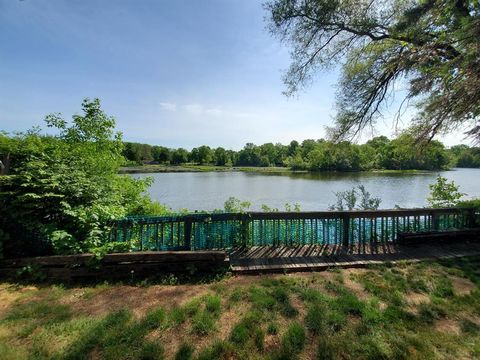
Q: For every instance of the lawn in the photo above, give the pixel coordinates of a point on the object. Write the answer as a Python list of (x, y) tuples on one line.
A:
[(426, 310)]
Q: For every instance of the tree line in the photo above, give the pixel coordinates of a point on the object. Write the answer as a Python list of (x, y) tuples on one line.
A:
[(401, 153)]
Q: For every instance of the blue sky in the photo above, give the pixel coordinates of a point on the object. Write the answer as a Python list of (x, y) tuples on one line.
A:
[(174, 73)]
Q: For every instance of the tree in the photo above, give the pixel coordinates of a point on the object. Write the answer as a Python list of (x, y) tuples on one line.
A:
[(434, 45), (179, 156), (162, 154), (66, 187), (221, 157), (205, 155)]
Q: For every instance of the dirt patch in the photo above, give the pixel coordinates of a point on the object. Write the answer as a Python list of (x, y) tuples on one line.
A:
[(171, 340), (9, 294), (356, 288), (462, 286), (310, 349), (247, 280), (415, 299), (447, 326), (138, 299)]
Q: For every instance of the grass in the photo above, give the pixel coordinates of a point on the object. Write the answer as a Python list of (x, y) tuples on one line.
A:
[(427, 310)]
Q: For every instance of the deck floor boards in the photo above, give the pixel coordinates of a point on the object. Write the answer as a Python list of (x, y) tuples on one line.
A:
[(313, 257)]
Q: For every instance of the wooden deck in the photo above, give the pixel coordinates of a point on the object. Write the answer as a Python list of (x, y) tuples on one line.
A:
[(315, 258)]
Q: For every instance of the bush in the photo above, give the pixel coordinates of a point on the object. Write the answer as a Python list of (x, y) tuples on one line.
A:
[(444, 193), (66, 187)]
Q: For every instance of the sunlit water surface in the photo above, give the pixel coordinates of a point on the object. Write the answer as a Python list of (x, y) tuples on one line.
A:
[(209, 190)]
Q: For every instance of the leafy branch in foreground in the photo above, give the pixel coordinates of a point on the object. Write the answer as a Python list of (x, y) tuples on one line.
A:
[(430, 47)]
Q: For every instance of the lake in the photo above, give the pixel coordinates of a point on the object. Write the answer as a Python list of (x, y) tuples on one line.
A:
[(313, 191)]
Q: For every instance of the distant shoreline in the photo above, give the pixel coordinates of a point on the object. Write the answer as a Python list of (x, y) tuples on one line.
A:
[(143, 169)]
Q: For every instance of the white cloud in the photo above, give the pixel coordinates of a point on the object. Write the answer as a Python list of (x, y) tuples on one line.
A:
[(168, 106), (214, 111), (194, 108)]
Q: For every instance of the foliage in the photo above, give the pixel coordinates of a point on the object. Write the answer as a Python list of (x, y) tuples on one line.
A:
[(400, 153), (429, 47), (444, 193), (66, 186), (464, 156), (235, 205), (349, 200)]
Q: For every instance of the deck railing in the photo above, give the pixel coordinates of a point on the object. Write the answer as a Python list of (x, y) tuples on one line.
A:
[(202, 231)]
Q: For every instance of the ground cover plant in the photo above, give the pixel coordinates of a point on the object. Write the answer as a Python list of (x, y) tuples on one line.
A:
[(407, 311)]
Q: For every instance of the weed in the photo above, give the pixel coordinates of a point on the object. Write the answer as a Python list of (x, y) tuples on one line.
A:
[(261, 299), (283, 300), (259, 338), (429, 312), (371, 313), (272, 328), (154, 318), (443, 288), (236, 295), (192, 307), (326, 349), (469, 327), (151, 351), (184, 352), (315, 319), (239, 334), (177, 316), (311, 295), (212, 304), (203, 323), (293, 341), (218, 351), (335, 320)]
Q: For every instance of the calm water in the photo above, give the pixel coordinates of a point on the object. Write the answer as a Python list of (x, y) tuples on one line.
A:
[(208, 191)]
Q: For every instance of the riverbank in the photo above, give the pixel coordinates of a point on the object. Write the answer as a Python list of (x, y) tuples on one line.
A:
[(154, 168), (142, 169)]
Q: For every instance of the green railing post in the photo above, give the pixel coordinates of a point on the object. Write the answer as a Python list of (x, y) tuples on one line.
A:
[(188, 233), (346, 230), (435, 221), (245, 230), (472, 221)]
